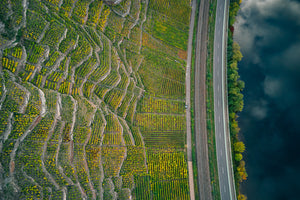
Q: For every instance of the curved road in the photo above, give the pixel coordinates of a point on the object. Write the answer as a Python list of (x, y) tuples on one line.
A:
[(223, 146)]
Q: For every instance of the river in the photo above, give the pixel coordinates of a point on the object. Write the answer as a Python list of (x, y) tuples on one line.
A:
[(268, 32)]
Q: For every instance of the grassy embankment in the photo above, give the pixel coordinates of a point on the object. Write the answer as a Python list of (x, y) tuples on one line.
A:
[(195, 169), (235, 100)]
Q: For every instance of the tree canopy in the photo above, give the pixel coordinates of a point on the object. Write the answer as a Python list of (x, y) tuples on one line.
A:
[(239, 147)]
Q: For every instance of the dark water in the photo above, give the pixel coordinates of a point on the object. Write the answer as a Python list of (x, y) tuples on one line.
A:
[(268, 32)]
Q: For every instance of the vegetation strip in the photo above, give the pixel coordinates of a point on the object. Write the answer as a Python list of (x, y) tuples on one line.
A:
[(210, 106), (235, 100)]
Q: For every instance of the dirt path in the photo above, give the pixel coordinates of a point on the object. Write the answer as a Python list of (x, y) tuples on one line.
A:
[(188, 102), (4, 92), (204, 181)]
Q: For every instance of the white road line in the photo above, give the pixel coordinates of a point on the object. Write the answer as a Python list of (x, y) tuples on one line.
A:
[(223, 97), (226, 182)]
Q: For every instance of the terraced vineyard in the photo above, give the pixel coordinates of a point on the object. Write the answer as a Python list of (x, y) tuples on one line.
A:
[(92, 99)]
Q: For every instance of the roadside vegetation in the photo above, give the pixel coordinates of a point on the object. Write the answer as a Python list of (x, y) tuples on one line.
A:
[(97, 92), (209, 103), (235, 99), (195, 169)]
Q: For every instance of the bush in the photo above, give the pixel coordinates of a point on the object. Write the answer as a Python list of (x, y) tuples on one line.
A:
[(238, 157), (239, 147)]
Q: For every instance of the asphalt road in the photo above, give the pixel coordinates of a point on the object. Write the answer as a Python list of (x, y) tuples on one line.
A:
[(223, 147)]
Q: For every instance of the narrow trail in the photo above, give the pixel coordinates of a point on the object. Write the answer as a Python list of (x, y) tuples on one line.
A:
[(73, 117), (43, 103), (8, 128), (188, 103), (4, 92)]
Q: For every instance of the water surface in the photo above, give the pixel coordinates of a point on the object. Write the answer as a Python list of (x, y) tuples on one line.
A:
[(268, 32)]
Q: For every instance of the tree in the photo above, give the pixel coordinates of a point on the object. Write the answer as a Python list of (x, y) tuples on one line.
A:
[(233, 66), (234, 8), (235, 102), (241, 170), (239, 147), (241, 84), (242, 197), (237, 55), (232, 115), (238, 157), (234, 76)]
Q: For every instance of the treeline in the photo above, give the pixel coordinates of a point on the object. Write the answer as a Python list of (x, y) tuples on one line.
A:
[(235, 99)]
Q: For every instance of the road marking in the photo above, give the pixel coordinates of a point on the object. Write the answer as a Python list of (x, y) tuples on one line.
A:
[(226, 182)]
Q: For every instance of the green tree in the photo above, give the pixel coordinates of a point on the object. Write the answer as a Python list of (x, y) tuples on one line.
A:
[(233, 66), (241, 84), (239, 147), (234, 8), (238, 157), (233, 77), (237, 55)]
